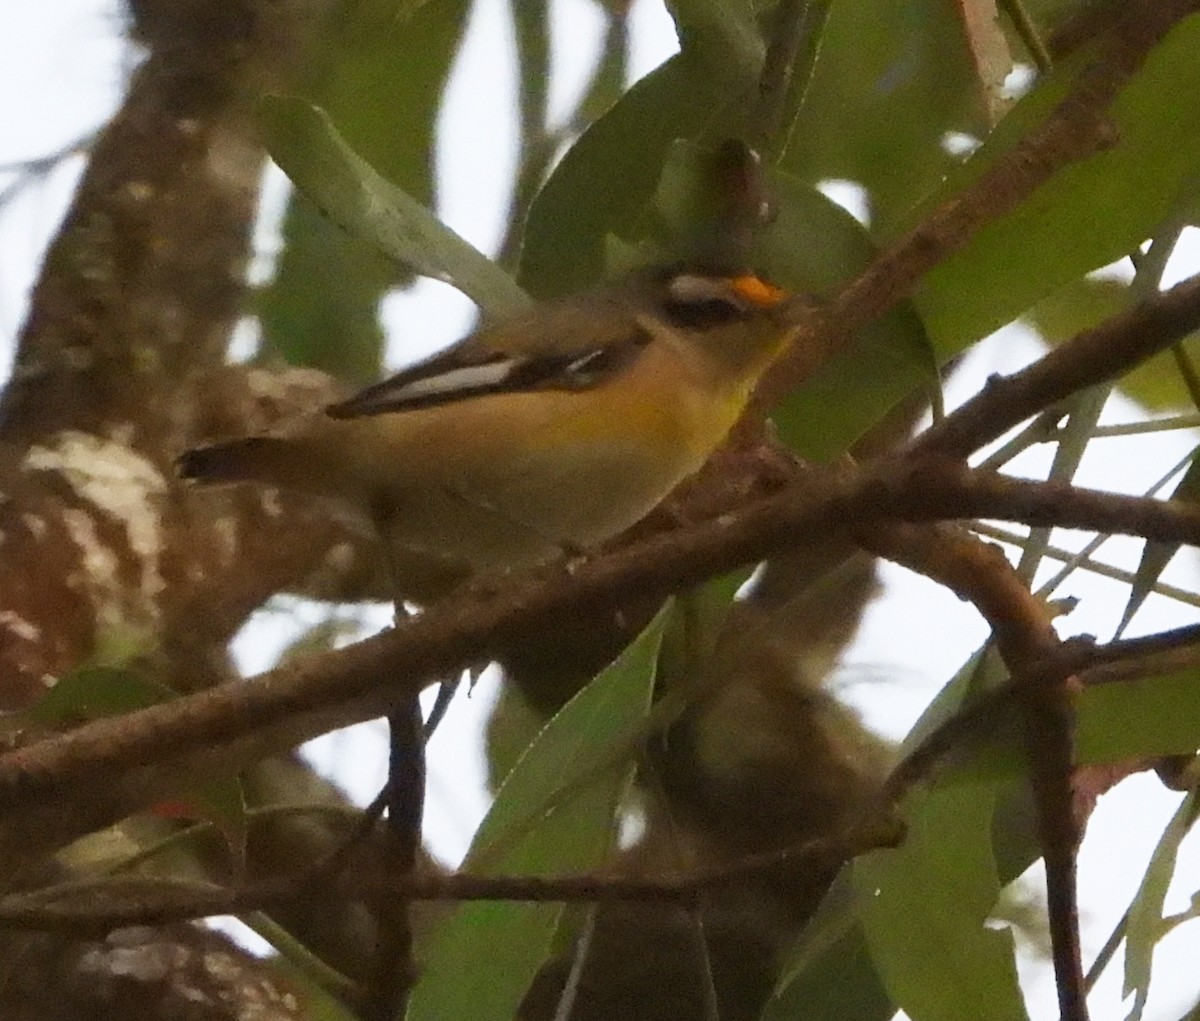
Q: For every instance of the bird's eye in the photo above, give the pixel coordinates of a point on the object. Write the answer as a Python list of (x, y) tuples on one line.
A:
[(703, 315), (700, 303)]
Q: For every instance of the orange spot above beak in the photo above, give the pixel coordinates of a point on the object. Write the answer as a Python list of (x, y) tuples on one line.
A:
[(756, 291)]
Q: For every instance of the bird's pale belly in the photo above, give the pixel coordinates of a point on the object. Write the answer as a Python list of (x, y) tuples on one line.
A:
[(518, 514)]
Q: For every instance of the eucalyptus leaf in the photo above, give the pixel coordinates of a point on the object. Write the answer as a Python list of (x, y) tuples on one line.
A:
[(1143, 719), (482, 959), (816, 246), (1156, 555), (924, 907), (605, 179), (723, 35), (837, 983), (891, 79), (385, 65), (1145, 926), (1087, 215), (304, 142)]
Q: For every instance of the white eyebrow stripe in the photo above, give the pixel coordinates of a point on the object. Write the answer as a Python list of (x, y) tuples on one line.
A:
[(689, 287)]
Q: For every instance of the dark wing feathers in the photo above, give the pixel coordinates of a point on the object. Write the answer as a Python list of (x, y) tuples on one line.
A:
[(452, 377), (584, 333)]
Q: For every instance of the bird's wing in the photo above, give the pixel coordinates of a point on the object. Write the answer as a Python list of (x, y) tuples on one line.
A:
[(462, 373)]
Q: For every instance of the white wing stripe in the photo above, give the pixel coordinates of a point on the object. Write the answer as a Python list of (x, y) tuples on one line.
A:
[(467, 379)]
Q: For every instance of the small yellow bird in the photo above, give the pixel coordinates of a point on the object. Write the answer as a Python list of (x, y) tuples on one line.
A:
[(556, 429)]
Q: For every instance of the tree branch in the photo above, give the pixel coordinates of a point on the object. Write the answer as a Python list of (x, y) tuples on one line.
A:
[(92, 906), (236, 723), (1102, 353), (1075, 129)]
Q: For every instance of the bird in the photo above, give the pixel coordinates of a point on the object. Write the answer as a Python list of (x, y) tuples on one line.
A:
[(553, 430)]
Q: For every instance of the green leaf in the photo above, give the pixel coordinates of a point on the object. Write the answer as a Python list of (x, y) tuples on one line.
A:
[(834, 984), (1089, 214), (823, 417), (91, 692), (381, 65), (833, 925), (1139, 719), (891, 78), (304, 142), (924, 907), (1080, 305), (1145, 926), (723, 35), (981, 672), (1156, 555), (694, 631), (605, 179), (835, 941), (482, 960), (322, 308), (889, 358), (1156, 383)]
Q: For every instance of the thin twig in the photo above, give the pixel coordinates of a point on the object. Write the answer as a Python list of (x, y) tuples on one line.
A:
[(1107, 952), (1041, 688), (92, 906), (1150, 425), (708, 982), (441, 705), (1051, 584), (30, 170), (1041, 429), (583, 946), (395, 969), (1088, 564)]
